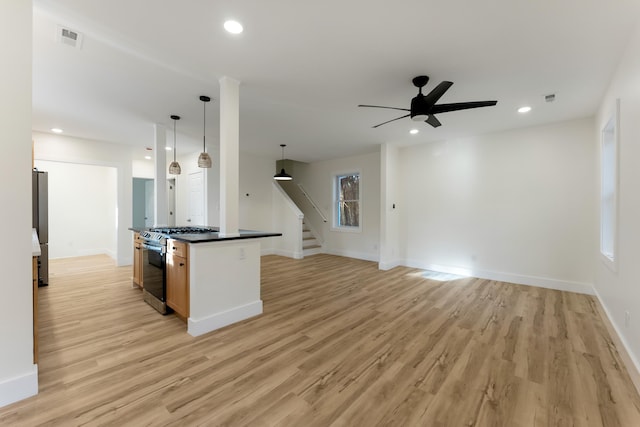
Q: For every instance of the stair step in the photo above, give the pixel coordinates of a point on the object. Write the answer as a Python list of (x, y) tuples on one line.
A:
[(309, 238), (311, 247)]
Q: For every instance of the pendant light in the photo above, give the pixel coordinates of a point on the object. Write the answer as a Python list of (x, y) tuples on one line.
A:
[(282, 175), (204, 160), (174, 167)]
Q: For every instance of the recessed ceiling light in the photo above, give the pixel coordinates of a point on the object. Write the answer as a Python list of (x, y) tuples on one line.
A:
[(168, 148), (413, 131), (233, 27), (56, 130), (147, 157), (524, 109)]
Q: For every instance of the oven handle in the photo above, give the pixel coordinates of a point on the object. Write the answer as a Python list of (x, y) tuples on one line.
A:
[(159, 249)]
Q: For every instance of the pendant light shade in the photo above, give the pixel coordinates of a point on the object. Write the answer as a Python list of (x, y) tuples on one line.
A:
[(204, 160), (282, 175), (174, 167)]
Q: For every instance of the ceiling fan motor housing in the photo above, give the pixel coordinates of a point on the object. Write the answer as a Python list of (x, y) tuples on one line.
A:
[(419, 109)]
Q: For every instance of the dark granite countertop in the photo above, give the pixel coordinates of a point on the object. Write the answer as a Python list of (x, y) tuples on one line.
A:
[(213, 235)]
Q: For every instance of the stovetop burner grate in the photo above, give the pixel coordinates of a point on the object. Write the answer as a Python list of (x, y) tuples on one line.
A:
[(181, 230)]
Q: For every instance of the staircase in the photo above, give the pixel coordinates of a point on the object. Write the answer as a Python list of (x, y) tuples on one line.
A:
[(310, 243)]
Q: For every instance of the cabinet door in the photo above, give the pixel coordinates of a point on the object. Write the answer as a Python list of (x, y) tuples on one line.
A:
[(137, 264), (178, 284)]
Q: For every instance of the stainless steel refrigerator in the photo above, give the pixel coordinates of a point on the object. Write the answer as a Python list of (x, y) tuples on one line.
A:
[(41, 223)]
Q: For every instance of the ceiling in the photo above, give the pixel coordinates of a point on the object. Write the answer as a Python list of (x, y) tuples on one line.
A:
[(305, 66)]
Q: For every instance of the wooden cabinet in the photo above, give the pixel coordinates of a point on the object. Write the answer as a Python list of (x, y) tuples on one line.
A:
[(35, 308), (137, 260), (178, 277)]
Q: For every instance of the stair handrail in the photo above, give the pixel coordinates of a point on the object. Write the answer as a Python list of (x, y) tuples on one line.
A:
[(324, 218)]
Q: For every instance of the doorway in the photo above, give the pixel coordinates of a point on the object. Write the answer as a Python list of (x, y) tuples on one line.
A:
[(142, 203)]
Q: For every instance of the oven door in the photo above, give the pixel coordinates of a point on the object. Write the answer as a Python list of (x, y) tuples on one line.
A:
[(154, 271)]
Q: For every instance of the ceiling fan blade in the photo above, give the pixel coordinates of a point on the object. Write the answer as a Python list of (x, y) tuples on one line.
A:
[(443, 108), (392, 120), (437, 93), (389, 108), (433, 121)]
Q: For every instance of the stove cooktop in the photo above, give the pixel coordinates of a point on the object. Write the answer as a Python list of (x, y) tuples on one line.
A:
[(182, 230)]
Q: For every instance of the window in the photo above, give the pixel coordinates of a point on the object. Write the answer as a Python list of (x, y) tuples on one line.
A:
[(608, 190), (347, 202)]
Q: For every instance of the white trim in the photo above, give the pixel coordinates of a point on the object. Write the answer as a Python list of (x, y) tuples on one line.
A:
[(627, 356), (290, 203), (288, 254), (613, 119), (313, 251), (20, 387), (197, 327), (354, 254), (520, 279), (389, 265), (334, 199)]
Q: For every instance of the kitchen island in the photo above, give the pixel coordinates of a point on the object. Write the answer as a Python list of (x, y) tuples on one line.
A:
[(217, 277)]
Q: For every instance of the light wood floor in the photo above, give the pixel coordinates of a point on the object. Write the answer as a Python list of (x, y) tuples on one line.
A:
[(340, 343)]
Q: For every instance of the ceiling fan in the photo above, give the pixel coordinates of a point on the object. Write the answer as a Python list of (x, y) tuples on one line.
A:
[(424, 107)]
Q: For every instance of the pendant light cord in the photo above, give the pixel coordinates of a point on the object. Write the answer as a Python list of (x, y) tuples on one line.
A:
[(204, 127), (174, 140)]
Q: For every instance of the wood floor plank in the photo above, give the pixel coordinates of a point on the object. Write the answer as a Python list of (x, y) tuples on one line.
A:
[(340, 343)]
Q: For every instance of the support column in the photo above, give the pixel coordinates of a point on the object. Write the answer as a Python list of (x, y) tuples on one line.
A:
[(389, 218), (229, 156), (161, 204)]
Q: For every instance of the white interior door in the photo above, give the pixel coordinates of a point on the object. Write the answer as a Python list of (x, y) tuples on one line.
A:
[(196, 199), (149, 213)]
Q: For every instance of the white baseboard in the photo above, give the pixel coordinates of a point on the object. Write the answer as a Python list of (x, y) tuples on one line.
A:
[(353, 254), (542, 282), (267, 251), (95, 251), (288, 254), (312, 251), (389, 265), (122, 261), (215, 321), (628, 358), (20, 387)]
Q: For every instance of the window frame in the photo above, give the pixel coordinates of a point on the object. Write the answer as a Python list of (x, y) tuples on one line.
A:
[(335, 226), (609, 187)]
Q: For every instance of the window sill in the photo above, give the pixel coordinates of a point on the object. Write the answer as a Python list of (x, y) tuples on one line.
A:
[(609, 262), (347, 229)]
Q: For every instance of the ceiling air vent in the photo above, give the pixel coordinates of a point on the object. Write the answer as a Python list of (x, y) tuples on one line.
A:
[(69, 37)]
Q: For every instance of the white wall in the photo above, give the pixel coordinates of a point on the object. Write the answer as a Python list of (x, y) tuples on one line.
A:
[(287, 219), (514, 206), (18, 374), (619, 291), (66, 149), (82, 209), (256, 176), (317, 179), (144, 169), (189, 164), (256, 181)]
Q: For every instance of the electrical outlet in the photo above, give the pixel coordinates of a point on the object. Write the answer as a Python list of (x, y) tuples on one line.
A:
[(627, 318), (242, 254)]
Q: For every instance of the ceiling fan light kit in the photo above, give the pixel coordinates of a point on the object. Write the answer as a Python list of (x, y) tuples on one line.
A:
[(424, 107), (204, 159)]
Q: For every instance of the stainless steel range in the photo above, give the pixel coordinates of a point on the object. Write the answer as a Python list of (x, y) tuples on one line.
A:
[(154, 262)]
